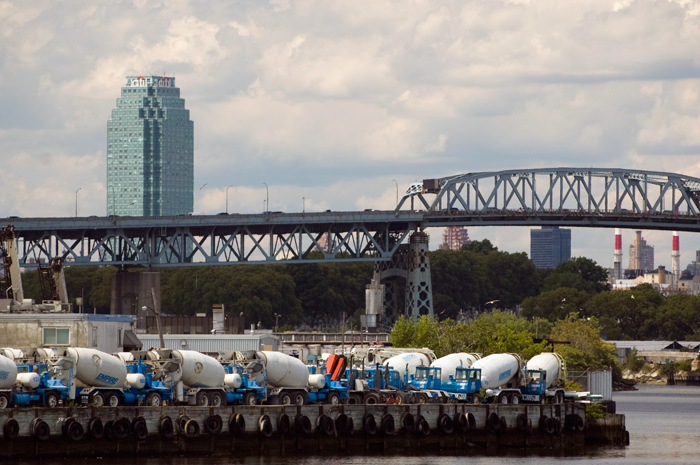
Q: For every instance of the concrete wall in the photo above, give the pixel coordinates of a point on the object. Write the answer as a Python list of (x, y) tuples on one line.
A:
[(84, 330)]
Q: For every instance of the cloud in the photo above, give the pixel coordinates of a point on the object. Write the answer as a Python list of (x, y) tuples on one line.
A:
[(331, 101)]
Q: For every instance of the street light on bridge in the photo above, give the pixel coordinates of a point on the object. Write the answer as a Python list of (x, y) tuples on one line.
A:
[(76, 201), (227, 198)]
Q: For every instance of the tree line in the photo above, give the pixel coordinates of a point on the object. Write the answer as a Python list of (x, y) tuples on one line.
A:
[(477, 279)]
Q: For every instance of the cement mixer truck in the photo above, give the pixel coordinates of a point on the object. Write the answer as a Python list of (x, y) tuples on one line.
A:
[(543, 379), (104, 379), (33, 382)]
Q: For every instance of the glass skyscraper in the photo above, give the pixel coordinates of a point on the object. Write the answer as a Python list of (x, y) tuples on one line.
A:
[(550, 246), (150, 150)]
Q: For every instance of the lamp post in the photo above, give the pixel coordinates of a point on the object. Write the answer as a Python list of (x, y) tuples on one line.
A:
[(227, 198), (397, 191), (145, 308), (267, 197), (303, 204), (277, 317), (76, 201)]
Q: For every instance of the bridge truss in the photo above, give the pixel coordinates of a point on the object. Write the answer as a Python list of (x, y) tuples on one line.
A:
[(213, 240), (589, 197)]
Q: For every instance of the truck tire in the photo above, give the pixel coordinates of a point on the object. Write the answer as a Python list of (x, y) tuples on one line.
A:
[(165, 427), (51, 399), (40, 429), (503, 398), (96, 429), (236, 423), (354, 399), (111, 399), (408, 422), (180, 423), (445, 424), (515, 398), (249, 398), (284, 424), (300, 398), (191, 429), (493, 423), (461, 423), (121, 428), (325, 425), (422, 398), (471, 420), (154, 400), (4, 400), (75, 431), (372, 398), (202, 399), (387, 425), (95, 399), (341, 423), (285, 398), (302, 424), (265, 426), (140, 429), (333, 398), (369, 424), (216, 399), (423, 427), (213, 424)]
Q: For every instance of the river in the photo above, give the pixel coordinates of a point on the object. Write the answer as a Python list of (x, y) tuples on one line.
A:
[(663, 422)]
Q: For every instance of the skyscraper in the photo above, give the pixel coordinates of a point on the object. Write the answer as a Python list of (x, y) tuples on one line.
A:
[(550, 246), (454, 237), (641, 254), (150, 150)]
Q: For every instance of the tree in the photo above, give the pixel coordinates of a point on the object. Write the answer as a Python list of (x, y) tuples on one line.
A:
[(555, 304), (588, 270), (483, 247), (585, 348)]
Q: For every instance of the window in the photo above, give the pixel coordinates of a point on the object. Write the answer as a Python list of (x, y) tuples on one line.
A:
[(94, 336), (58, 336), (119, 337)]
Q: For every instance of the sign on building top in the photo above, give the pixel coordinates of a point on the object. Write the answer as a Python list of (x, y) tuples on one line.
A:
[(148, 81)]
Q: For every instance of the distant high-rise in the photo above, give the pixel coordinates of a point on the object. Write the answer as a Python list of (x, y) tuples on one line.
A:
[(150, 150), (641, 254), (454, 237), (550, 246)]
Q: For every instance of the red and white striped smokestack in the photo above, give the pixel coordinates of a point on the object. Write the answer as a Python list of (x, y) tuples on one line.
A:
[(676, 257), (617, 256)]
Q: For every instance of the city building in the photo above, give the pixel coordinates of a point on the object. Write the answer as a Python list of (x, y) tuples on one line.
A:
[(550, 246), (454, 237), (641, 256), (150, 150)]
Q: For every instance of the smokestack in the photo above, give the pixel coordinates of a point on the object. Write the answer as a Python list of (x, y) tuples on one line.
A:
[(676, 258), (617, 257)]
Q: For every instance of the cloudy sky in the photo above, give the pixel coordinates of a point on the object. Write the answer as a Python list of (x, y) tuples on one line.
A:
[(333, 101)]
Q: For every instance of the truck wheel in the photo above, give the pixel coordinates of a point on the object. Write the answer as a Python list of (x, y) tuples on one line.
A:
[(154, 400), (300, 398), (559, 397), (354, 399), (217, 399), (333, 398), (51, 399), (372, 398), (515, 399), (249, 399), (285, 399), (422, 398), (96, 400), (202, 399), (503, 398), (111, 399), (4, 401)]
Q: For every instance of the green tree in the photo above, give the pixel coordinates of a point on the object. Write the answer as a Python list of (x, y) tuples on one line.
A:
[(555, 304), (588, 270), (585, 348)]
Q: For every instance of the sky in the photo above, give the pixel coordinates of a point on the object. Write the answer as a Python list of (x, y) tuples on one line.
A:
[(334, 104)]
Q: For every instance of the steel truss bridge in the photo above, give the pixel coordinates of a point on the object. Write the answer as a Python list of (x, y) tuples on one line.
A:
[(583, 197)]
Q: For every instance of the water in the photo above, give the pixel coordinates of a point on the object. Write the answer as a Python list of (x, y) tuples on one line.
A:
[(663, 421)]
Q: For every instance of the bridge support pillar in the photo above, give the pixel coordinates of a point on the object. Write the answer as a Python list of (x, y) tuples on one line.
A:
[(132, 291), (419, 289)]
